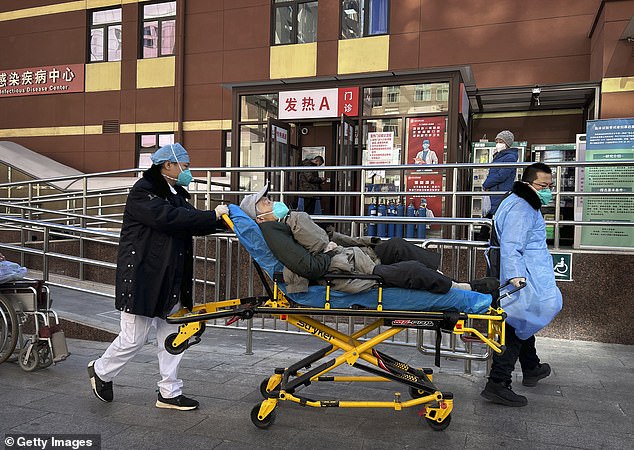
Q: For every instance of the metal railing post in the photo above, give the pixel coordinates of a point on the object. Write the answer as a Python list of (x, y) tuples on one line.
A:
[(45, 250), (557, 206), (82, 222)]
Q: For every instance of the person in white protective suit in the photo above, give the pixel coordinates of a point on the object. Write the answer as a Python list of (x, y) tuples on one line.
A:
[(524, 258)]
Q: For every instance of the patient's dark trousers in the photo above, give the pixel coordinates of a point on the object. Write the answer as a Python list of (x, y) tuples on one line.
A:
[(503, 364), (409, 266)]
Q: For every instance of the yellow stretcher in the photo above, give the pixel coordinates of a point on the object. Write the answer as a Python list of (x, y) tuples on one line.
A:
[(357, 350)]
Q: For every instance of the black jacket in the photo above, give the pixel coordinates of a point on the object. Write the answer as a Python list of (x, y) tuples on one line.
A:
[(155, 260), (309, 180)]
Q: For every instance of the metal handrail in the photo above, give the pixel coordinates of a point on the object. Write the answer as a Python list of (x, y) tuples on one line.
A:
[(452, 195), (77, 201)]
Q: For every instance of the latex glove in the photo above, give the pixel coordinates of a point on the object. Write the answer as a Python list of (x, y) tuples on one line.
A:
[(331, 246), (221, 210), (517, 282)]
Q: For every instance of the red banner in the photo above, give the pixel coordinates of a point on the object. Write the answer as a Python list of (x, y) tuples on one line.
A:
[(425, 145), (348, 101), (61, 79)]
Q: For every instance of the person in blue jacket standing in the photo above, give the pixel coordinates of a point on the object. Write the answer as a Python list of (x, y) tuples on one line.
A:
[(501, 179), (524, 258)]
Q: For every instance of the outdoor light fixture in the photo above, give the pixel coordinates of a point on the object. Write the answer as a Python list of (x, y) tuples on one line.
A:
[(535, 97)]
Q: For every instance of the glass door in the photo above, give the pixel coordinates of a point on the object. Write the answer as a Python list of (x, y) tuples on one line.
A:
[(277, 153), (346, 155)]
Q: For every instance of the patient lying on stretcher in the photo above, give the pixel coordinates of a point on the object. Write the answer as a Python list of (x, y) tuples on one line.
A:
[(308, 253)]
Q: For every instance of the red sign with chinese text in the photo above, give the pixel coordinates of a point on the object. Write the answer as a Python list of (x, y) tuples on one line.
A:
[(348, 101), (60, 79)]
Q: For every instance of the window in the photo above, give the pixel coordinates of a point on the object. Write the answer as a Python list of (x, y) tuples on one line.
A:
[(422, 93), (361, 18), (105, 35), (406, 99), (159, 30), (294, 21), (442, 94), (226, 148), (393, 94), (148, 143)]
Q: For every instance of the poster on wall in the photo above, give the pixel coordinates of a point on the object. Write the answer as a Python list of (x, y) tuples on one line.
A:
[(381, 147), (425, 146), (609, 140)]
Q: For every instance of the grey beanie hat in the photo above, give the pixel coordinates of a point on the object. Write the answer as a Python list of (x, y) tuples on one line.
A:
[(507, 137)]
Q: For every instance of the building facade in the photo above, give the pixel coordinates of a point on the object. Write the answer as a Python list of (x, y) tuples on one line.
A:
[(99, 84), (201, 71)]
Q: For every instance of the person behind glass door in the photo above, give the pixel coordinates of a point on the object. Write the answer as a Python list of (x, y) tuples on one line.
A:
[(310, 181)]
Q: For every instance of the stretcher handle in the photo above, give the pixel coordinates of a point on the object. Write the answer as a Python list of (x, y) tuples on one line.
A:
[(512, 291)]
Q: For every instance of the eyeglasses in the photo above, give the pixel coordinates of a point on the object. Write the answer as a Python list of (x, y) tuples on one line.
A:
[(544, 186)]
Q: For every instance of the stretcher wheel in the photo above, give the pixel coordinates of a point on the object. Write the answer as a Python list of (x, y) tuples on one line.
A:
[(169, 340), (29, 364), (201, 331), (263, 389), (436, 426), (264, 423)]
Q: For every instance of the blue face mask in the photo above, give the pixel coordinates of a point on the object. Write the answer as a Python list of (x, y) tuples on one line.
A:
[(545, 196), (280, 210), (184, 178)]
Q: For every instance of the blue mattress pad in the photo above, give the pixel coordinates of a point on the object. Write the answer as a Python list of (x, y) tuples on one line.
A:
[(251, 238)]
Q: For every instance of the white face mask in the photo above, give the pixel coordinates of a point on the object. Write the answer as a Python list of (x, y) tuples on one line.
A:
[(500, 146)]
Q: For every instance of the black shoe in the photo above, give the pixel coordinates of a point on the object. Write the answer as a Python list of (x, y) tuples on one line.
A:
[(181, 403), (501, 393), (101, 389), (531, 377), (485, 285)]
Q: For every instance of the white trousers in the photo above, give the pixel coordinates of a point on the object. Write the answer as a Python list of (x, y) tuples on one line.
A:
[(133, 335)]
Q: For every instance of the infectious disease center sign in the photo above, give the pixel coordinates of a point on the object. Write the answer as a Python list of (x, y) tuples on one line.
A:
[(319, 103), (61, 79)]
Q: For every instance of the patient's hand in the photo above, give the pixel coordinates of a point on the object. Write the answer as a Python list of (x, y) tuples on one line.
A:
[(331, 246)]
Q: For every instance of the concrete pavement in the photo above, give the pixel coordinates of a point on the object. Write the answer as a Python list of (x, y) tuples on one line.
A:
[(587, 402)]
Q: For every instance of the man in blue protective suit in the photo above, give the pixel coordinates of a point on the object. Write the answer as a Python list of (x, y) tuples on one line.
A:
[(524, 258)]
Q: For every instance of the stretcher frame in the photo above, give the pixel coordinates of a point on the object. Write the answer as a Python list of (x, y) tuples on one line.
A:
[(357, 349)]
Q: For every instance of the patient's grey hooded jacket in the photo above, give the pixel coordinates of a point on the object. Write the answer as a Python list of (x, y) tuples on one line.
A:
[(351, 256)]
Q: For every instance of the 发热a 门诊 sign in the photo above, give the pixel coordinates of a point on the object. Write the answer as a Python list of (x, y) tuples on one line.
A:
[(318, 103)]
